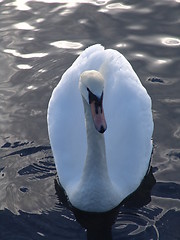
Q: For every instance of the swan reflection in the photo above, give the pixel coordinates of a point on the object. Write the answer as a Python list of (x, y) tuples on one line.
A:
[(99, 225)]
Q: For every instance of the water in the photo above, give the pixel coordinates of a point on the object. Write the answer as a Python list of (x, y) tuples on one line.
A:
[(39, 40)]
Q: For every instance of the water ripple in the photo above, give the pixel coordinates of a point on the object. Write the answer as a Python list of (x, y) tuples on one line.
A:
[(24, 26), (67, 44), (39, 41), (140, 224), (15, 53), (171, 41), (23, 162), (24, 66)]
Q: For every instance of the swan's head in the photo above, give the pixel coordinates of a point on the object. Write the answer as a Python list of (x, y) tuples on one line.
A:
[(91, 85)]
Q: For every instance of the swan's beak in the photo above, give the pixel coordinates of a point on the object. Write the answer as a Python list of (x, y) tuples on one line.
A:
[(98, 117)]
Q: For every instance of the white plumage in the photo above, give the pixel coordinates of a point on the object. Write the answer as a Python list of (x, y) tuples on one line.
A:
[(128, 145)]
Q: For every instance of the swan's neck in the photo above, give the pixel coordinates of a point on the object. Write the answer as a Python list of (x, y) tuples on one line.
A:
[(95, 164), (95, 191)]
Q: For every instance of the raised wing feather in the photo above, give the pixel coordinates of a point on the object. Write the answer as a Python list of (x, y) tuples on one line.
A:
[(127, 109)]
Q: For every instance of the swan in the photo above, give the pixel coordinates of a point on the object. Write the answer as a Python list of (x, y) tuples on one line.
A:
[(100, 128)]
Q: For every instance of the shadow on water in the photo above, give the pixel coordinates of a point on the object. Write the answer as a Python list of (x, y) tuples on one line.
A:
[(99, 225)]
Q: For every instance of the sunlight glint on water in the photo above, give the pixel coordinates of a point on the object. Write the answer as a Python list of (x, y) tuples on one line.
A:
[(39, 41)]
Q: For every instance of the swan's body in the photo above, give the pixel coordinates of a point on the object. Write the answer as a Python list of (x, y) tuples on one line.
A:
[(98, 170)]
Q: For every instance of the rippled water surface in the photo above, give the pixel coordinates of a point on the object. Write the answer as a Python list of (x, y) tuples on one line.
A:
[(39, 40)]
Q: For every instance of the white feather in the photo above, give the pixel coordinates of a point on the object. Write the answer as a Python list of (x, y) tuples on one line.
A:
[(127, 108)]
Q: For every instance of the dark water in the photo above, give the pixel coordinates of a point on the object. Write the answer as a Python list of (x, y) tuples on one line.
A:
[(39, 40)]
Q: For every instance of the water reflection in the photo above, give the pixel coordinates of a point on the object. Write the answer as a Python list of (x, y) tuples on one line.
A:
[(177, 132), (30, 55), (22, 164), (24, 26), (24, 66), (99, 225), (31, 66), (23, 5), (171, 41), (67, 44), (135, 223), (117, 6)]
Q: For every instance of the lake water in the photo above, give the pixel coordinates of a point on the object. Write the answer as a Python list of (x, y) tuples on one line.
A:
[(39, 40)]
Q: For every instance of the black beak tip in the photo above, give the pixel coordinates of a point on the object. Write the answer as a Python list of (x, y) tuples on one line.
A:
[(102, 129)]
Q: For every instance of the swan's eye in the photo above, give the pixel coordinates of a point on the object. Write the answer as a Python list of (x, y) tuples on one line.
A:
[(97, 101), (93, 97)]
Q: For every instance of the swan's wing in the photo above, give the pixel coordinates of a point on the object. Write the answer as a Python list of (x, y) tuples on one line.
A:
[(66, 121), (128, 114)]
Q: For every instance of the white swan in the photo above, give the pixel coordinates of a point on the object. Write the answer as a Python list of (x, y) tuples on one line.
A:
[(98, 170)]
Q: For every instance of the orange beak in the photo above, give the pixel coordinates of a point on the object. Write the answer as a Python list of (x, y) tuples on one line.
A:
[(98, 117)]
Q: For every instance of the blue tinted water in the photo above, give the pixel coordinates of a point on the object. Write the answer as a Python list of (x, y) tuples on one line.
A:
[(39, 40)]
